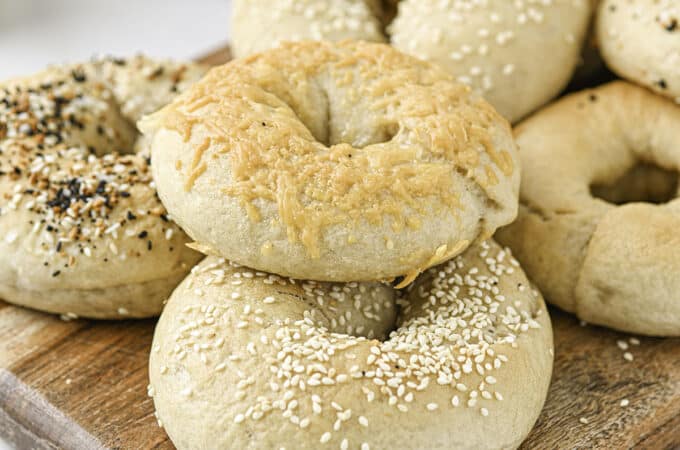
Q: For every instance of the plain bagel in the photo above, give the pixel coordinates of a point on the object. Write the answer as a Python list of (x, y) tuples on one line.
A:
[(82, 232), (640, 41), (518, 54), (248, 360), (334, 162), (599, 215)]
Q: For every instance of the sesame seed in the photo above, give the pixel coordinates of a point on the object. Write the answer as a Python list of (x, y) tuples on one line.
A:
[(306, 355)]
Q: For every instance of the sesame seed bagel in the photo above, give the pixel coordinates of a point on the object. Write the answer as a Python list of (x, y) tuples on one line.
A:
[(518, 54), (82, 231), (250, 360), (640, 41), (320, 20), (599, 214), (334, 162)]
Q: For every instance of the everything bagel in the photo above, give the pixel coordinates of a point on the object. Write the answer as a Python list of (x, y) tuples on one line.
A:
[(518, 54), (640, 41), (82, 232), (248, 360), (333, 162), (599, 216)]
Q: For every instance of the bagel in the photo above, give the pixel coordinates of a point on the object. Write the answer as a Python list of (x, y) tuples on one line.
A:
[(260, 25), (82, 232), (334, 162), (248, 360), (599, 214), (519, 54), (640, 41)]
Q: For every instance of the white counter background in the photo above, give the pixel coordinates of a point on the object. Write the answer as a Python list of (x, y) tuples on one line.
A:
[(34, 33)]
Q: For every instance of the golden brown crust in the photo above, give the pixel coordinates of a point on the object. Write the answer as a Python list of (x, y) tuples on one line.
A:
[(611, 265), (315, 137)]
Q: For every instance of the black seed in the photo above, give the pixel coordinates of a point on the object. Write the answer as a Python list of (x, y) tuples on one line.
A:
[(101, 187), (157, 73), (78, 76)]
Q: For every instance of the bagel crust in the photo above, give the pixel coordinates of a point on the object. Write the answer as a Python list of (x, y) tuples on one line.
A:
[(640, 41), (257, 25), (517, 54), (82, 232), (249, 360), (334, 162), (610, 265)]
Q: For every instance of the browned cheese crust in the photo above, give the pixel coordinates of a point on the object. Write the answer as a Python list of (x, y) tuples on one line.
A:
[(336, 162)]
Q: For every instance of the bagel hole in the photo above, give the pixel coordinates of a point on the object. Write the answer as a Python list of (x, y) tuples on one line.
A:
[(644, 182), (380, 135)]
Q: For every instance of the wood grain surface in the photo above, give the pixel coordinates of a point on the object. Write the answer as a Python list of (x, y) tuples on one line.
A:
[(82, 384)]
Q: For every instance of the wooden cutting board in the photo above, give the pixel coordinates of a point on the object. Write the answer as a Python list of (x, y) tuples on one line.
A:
[(82, 384)]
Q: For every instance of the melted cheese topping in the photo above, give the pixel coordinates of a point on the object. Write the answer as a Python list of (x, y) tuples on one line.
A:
[(339, 133)]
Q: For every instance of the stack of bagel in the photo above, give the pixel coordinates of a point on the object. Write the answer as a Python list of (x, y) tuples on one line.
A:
[(345, 194), (599, 167), (332, 216), (418, 331)]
